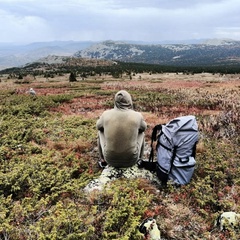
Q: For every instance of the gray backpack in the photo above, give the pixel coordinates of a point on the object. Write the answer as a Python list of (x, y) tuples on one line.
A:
[(176, 149)]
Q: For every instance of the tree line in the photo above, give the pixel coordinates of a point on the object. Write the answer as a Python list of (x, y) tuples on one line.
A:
[(115, 70)]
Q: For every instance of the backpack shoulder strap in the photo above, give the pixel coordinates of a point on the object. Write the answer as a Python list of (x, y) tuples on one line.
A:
[(155, 131), (153, 139)]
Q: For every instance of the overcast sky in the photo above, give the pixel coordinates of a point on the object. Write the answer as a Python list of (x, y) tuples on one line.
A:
[(97, 20)]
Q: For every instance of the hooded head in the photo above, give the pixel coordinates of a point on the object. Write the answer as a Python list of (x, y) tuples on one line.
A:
[(123, 100)]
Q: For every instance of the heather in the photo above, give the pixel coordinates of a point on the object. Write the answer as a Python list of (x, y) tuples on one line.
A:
[(48, 155)]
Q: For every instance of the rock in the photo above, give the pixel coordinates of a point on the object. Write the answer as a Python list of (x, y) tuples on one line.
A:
[(110, 173)]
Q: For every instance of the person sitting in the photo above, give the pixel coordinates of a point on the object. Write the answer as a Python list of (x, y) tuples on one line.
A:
[(121, 133)]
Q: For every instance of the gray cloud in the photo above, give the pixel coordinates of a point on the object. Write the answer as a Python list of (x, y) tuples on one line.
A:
[(146, 20)]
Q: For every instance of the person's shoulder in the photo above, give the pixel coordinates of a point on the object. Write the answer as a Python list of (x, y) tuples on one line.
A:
[(108, 111), (137, 113)]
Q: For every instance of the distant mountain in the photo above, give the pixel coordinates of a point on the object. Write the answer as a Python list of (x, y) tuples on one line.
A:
[(184, 53), (57, 62), (15, 55), (210, 52)]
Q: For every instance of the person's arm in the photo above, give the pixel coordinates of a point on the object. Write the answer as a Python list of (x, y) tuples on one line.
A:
[(100, 124), (143, 125)]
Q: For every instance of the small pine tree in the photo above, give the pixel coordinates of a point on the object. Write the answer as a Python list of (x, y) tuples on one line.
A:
[(72, 77)]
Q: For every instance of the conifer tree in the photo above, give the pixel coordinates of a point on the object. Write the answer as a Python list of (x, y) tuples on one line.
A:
[(72, 77)]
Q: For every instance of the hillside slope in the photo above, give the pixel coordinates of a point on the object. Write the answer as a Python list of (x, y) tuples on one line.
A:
[(15, 55), (209, 53)]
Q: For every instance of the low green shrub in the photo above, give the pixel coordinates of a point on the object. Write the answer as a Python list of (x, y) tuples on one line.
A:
[(47, 158)]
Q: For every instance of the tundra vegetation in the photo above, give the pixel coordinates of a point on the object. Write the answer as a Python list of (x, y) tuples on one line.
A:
[(48, 155)]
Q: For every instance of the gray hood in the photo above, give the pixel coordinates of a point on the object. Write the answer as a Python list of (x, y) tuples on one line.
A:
[(123, 100)]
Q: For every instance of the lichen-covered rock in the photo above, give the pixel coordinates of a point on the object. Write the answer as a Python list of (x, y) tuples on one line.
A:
[(150, 229), (227, 219), (110, 173)]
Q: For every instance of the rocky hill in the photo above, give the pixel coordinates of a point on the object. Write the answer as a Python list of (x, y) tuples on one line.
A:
[(17, 55), (210, 52)]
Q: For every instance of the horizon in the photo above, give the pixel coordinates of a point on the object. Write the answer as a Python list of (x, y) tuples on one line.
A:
[(127, 41)]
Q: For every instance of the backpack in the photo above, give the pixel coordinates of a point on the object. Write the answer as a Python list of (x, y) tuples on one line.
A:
[(176, 149)]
